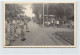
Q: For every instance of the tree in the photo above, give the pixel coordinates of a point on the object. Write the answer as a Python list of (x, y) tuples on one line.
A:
[(13, 10), (37, 10), (60, 10)]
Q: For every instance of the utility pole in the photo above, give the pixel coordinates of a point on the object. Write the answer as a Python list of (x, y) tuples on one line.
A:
[(47, 13), (43, 14)]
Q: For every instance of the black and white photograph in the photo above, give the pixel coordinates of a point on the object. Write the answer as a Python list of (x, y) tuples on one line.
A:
[(39, 24)]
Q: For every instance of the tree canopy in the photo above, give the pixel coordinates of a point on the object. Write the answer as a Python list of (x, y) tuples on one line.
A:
[(60, 10), (13, 10)]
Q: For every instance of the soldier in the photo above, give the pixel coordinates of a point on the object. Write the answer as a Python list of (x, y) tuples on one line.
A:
[(18, 29), (8, 42), (25, 23), (15, 25), (5, 26), (22, 31), (12, 31)]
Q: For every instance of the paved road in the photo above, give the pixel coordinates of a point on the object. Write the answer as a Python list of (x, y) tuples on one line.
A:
[(39, 36)]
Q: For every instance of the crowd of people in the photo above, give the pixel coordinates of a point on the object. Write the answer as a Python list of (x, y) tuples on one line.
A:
[(14, 29)]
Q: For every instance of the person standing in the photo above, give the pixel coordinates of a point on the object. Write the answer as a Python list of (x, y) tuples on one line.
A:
[(57, 23)]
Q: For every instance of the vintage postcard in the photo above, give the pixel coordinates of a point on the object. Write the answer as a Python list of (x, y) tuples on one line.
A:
[(39, 24)]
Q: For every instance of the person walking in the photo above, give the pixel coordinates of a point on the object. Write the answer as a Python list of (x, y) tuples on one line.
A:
[(25, 23), (15, 25), (18, 28), (15, 28), (12, 31), (7, 33), (22, 31)]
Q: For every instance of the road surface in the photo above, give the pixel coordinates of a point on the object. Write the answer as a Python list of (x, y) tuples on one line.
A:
[(39, 36)]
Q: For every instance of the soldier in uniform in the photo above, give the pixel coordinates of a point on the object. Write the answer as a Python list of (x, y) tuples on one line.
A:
[(22, 31), (18, 28), (25, 23), (12, 38), (7, 33)]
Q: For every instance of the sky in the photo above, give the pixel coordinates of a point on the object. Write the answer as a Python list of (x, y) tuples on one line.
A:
[(29, 11)]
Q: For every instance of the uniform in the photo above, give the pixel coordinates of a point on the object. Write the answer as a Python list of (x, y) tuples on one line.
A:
[(23, 31), (7, 35), (12, 38), (25, 23)]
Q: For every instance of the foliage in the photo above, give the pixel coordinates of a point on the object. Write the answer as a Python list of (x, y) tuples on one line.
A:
[(62, 11), (13, 10), (37, 10)]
